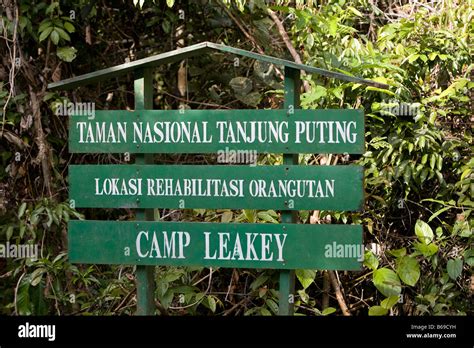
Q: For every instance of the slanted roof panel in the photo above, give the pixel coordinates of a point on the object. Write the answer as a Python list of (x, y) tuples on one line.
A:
[(122, 69), (309, 69), (203, 47)]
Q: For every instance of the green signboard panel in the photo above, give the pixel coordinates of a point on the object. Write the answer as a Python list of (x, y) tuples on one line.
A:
[(280, 246), (210, 131), (217, 187)]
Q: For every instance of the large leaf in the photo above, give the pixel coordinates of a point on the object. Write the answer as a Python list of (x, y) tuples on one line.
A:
[(212, 303), (454, 268), (266, 216), (426, 249), (370, 260), (315, 94), (45, 33), (387, 282), (21, 210), (66, 54), (305, 276), (54, 37), (389, 302), (69, 27), (424, 232), (377, 311), (408, 270), (63, 34)]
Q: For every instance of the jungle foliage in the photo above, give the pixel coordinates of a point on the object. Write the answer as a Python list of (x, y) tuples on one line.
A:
[(419, 167)]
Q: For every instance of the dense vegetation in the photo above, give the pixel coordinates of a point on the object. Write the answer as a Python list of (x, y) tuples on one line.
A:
[(419, 167)]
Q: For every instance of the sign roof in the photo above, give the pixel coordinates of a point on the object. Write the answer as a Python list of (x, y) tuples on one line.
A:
[(194, 50)]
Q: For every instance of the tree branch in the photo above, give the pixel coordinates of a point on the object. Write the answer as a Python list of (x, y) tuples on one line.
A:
[(247, 35), (289, 45), (339, 297)]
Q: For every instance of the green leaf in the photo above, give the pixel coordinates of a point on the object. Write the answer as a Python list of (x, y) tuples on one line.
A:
[(250, 215), (332, 26), (389, 302), (10, 232), (432, 161), (398, 252), (370, 260), (469, 257), (63, 34), (265, 216), (454, 268), (432, 55), (377, 311), (314, 95), (54, 37), (412, 58), (272, 305), (408, 270), (212, 303), (438, 213), (36, 276), (426, 250), (69, 27), (67, 54), (310, 40), (355, 11), (387, 282), (424, 232), (305, 276), (303, 295), (44, 24), (21, 210), (170, 3), (23, 297), (328, 311), (166, 26), (45, 33), (261, 279), (381, 90)]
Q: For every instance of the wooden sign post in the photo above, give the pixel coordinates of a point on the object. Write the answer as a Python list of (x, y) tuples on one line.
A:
[(287, 277), (145, 186), (143, 90)]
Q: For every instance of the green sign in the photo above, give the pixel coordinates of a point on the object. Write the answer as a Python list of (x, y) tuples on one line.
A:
[(279, 246), (217, 187), (210, 131)]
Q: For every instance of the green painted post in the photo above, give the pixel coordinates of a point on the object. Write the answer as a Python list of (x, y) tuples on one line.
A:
[(287, 277), (145, 275)]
